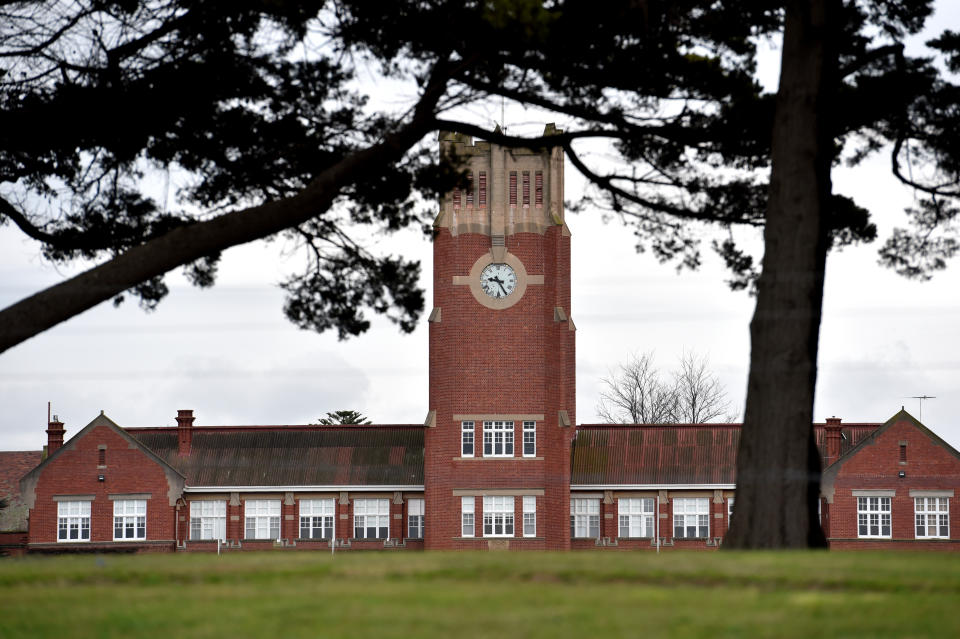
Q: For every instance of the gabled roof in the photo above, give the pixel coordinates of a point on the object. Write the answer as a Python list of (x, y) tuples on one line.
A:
[(291, 456), (100, 420), (28, 483), (13, 466), (658, 454), (872, 435)]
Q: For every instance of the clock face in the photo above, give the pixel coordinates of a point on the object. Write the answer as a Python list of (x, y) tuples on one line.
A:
[(498, 280)]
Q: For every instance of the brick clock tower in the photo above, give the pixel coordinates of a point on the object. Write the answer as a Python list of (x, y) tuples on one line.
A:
[(502, 369)]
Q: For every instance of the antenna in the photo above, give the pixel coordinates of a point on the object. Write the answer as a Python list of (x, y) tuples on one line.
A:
[(503, 117), (921, 398)]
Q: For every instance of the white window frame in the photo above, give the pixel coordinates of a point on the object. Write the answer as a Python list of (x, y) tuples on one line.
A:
[(317, 518), (415, 518), (73, 521), (371, 518), (873, 517), (208, 519), (498, 515), (636, 517), (584, 517), (261, 519), (935, 510), (691, 513), (529, 439), (498, 439), (529, 516), (467, 439), (130, 517), (467, 522)]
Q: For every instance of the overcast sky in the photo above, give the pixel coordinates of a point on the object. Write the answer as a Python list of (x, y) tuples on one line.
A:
[(228, 353)]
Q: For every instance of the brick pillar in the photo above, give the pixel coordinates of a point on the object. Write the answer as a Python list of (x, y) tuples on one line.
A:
[(290, 524), (608, 515), (396, 523), (55, 433), (234, 517), (184, 431), (666, 524), (344, 523)]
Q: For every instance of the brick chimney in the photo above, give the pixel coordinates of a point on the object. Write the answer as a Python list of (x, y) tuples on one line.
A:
[(832, 439), (55, 433), (184, 431)]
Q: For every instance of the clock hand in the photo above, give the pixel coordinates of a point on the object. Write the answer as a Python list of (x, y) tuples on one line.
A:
[(501, 287)]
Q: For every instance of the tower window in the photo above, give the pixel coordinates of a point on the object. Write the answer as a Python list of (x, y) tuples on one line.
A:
[(513, 188), (456, 198), (903, 452), (483, 189), (102, 458), (498, 439), (526, 189), (466, 439), (538, 189), (529, 439), (470, 190)]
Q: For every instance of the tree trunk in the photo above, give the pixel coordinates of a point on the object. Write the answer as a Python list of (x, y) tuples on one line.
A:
[(778, 468)]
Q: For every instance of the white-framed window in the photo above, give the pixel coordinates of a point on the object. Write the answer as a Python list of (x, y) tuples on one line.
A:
[(498, 516), (729, 510), (529, 439), (261, 518), (371, 518), (415, 518), (208, 519), (466, 516), (498, 439), (529, 516), (584, 517), (932, 517), (129, 519), (691, 517), (316, 518), (73, 521), (466, 439), (873, 516), (636, 517)]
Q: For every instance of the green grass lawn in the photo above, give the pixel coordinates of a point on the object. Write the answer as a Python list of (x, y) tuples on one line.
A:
[(502, 595)]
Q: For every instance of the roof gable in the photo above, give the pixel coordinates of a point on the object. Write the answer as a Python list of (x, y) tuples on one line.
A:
[(29, 481)]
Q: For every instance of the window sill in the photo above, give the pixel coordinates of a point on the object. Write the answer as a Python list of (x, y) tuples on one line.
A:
[(496, 458)]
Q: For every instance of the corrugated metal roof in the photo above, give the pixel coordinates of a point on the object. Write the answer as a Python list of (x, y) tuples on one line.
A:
[(294, 456), (655, 454), (605, 454)]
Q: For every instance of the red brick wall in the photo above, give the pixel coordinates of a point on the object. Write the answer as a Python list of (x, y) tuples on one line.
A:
[(74, 471), (876, 466), (511, 361)]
